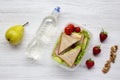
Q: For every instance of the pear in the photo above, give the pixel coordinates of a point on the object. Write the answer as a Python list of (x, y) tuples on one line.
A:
[(14, 34)]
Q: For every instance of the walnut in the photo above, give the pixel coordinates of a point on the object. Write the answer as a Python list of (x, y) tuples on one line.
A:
[(107, 65), (109, 61), (114, 48), (112, 57), (105, 69)]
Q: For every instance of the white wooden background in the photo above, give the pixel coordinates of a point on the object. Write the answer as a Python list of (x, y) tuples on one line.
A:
[(93, 14)]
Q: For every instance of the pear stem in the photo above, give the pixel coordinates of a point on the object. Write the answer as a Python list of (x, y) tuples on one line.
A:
[(26, 24)]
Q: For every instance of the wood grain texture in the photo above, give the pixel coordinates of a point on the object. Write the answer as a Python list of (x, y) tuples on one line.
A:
[(93, 14)]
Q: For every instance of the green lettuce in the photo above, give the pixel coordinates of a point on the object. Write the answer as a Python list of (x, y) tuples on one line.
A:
[(84, 46)]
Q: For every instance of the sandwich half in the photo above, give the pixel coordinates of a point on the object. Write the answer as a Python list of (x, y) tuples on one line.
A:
[(70, 56), (67, 41)]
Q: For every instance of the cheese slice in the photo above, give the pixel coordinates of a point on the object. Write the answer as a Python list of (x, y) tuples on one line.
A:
[(66, 42), (79, 36), (70, 56)]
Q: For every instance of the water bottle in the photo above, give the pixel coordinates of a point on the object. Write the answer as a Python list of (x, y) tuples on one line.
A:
[(43, 36)]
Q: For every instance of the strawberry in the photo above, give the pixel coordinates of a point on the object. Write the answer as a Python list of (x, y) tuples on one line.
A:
[(71, 26), (89, 63), (68, 31), (96, 50), (77, 29), (103, 36)]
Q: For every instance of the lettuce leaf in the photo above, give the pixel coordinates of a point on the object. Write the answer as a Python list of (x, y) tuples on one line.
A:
[(84, 46)]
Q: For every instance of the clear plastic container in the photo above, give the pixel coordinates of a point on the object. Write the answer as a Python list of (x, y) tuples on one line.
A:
[(86, 51), (43, 36)]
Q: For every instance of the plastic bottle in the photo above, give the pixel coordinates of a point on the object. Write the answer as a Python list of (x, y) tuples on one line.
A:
[(43, 36)]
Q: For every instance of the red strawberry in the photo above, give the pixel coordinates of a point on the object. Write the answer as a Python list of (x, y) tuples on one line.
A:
[(89, 63), (96, 50), (71, 26), (103, 36), (77, 29), (68, 31)]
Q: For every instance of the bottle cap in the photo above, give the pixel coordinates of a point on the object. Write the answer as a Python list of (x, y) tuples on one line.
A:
[(57, 9)]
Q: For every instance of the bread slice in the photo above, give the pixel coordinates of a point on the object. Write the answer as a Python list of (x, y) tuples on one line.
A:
[(66, 42), (70, 56)]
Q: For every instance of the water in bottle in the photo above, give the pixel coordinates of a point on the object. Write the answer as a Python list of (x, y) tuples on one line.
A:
[(43, 36)]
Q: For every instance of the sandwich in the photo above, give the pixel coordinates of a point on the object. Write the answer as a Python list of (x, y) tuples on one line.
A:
[(70, 49)]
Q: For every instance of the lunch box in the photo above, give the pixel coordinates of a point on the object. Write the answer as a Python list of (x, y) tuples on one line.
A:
[(63, 65)]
